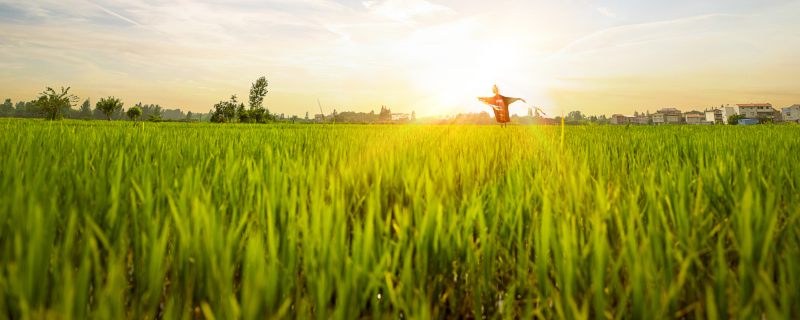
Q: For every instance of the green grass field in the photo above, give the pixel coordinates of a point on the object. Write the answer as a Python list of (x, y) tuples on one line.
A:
[(107, 220)]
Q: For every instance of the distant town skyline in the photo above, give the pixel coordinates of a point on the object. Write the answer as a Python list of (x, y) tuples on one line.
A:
[(432, 57)]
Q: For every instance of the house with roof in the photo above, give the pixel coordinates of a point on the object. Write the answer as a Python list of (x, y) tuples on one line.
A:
[(694, 117), (757, 111), (620, 119), (641, 119), (667, 116), (714, 116), (791, 114)]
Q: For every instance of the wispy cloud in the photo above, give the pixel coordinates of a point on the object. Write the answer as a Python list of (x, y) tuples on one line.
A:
[(117, 15)]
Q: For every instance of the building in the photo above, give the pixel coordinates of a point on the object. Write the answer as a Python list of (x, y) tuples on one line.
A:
[(757, 111), (715, 116), (620, 119), (694, 117), (668, 116), (791, 114), (748, 110), (747, 122), (401, 117), (319, 118), (641, 119), (728, 111)]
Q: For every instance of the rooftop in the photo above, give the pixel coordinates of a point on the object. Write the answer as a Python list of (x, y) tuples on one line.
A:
[(755, 105)]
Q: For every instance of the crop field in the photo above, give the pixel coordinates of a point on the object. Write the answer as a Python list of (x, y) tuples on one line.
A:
[(108, 220)]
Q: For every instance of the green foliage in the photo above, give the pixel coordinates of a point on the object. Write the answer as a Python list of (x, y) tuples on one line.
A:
[(575, 116), (734, 119), (7, 109), (257, 92), (257, 112), (356, 221), (134, 113), (109, 106), (151, 111), (227, 111), (86, 110), (55, 104)]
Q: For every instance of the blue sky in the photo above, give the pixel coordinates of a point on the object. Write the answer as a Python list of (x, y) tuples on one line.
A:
[(429, 56)]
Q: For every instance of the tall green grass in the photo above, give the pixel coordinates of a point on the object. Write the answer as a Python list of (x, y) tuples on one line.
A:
[(107, 220)]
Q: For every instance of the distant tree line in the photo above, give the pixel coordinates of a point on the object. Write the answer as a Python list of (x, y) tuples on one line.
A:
[(55, 104)]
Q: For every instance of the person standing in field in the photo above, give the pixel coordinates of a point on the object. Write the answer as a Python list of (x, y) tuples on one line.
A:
[(499, 104)]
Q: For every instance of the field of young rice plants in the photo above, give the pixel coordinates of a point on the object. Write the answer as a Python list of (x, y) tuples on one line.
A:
[(108, 220)]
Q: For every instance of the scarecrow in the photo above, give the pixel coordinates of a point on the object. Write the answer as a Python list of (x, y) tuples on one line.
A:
[(500, 105)]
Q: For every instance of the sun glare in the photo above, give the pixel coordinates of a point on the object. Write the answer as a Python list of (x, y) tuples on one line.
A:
[(451, 71)]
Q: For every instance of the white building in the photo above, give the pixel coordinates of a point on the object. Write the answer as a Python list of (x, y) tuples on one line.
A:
[(714, 116), (750, 111), (791, 114), (728, 111), (756, 110), (401, 117)]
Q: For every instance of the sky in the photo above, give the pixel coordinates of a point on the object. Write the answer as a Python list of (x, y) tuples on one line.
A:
[(429, 56)]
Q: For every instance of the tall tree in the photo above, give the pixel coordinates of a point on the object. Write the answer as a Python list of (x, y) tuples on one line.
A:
[(109, 105), (54, 104), (257, 92)]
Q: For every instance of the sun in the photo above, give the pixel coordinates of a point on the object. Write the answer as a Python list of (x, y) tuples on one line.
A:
[(454, 68)]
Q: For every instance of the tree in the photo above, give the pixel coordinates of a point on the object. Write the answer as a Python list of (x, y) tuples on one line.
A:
[(257, 111), (257, 92), (189, 116), (151, 111), (86, 110), (225, 111), (109, 105), (7, 109), (134, 113), (734, 119), (54, 104), (243, 114), (575, 116)]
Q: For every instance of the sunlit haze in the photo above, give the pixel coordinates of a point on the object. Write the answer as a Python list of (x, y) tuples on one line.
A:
[(431, 57)]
